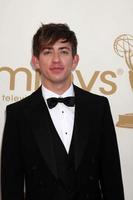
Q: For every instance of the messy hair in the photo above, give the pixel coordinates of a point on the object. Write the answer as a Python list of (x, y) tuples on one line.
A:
[(48, 34)]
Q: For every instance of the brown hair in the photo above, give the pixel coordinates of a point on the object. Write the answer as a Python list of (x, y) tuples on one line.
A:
[(48, 34)]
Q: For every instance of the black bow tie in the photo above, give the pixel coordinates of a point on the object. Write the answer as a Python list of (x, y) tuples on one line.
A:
[(68, 101)]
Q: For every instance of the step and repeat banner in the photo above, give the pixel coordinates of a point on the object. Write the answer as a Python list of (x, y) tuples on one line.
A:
[(105, 46)]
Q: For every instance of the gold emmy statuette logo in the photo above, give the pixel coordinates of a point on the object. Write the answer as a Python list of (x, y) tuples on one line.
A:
[(123, 46)]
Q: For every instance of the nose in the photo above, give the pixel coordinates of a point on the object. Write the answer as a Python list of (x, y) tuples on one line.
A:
[(56, 57)]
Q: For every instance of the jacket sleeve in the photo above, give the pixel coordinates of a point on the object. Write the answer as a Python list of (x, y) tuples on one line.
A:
[(12, 175), (111, 177)]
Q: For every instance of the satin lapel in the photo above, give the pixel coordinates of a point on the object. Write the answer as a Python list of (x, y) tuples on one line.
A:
[(41, 124), (82, 129)]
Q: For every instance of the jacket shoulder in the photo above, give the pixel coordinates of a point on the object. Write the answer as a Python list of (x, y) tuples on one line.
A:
[(89, 96), (27, 101)]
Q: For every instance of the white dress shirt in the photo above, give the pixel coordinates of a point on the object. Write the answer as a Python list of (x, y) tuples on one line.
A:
[(62, 115)]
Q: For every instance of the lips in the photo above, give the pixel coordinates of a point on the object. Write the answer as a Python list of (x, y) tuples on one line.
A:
[(57, 68)]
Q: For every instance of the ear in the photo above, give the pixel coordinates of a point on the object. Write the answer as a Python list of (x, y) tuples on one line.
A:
[(75, 61), (35, 62)]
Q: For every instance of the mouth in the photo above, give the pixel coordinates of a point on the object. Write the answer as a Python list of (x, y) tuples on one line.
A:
[(57, 69)]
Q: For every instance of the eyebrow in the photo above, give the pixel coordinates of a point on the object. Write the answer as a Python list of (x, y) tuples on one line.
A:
[(60, 48), (68, 48)]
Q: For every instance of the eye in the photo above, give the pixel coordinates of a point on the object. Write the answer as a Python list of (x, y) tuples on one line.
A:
[(47, 51), (65, 51)]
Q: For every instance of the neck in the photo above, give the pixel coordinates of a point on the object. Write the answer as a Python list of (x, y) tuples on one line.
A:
[(57, 88)]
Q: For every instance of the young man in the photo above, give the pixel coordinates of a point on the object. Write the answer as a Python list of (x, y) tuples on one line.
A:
[(60, 141)]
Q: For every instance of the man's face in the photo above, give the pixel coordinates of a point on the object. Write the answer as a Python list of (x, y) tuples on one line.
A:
[(56, 63)]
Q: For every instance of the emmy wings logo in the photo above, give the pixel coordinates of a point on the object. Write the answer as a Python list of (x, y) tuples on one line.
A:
[(123, 47)]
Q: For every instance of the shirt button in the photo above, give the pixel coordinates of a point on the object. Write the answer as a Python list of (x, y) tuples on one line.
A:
[(62, 111), (66, 133)]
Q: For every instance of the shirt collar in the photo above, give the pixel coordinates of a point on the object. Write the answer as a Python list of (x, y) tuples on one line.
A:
[(48, 93)]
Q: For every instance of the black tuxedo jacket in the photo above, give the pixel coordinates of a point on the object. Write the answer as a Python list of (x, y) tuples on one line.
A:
[(28, 155)]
